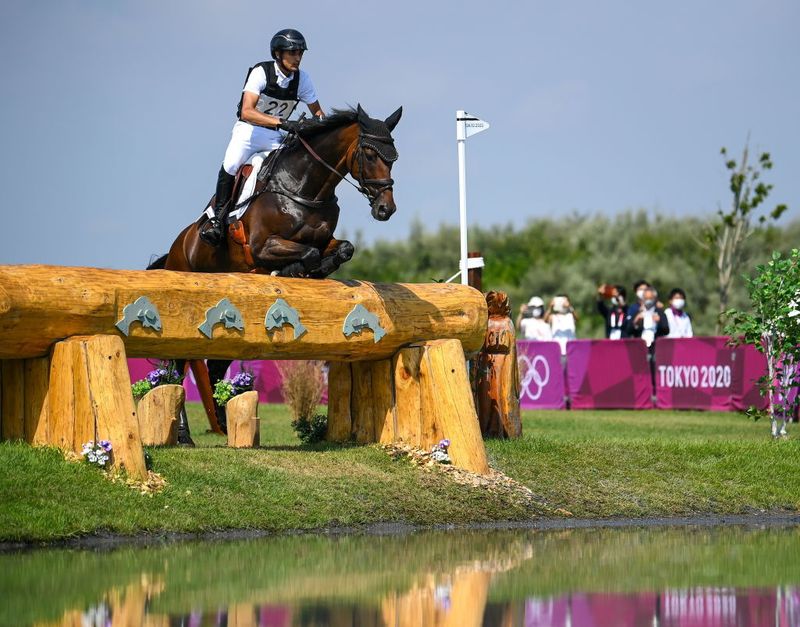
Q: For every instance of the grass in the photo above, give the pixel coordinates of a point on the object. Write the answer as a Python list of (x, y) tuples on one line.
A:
[(593, 464)]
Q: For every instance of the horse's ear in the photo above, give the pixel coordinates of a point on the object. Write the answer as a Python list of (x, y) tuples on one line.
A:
[(362, 115), (393, 119)]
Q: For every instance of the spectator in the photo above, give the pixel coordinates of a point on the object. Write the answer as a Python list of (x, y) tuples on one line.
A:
[(680, 323), (638, 289), (530, 321), (650, 321), (615, 315), (562, 318)]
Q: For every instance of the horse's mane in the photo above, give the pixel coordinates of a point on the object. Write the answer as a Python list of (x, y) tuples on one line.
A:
[(337, 118)]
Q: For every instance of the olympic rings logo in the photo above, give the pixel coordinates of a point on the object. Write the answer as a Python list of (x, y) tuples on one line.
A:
[(536, 373)]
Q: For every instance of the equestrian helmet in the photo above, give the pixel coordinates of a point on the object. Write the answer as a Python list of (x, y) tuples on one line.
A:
[(287, 39)]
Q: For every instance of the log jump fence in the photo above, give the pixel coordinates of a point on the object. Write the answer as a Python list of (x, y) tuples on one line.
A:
[(396, 350)]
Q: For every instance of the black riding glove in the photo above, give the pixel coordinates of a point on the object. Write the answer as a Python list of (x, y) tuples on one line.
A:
[(290, 126)]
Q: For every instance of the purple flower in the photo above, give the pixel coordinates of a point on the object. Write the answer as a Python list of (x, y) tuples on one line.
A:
[(242, 381)]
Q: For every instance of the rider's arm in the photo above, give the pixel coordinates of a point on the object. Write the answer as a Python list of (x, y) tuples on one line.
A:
[(316, 109), (253, 116)]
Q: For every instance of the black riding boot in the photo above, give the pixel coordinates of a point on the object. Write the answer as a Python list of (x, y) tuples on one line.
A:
[(184, 437), (213, 232)]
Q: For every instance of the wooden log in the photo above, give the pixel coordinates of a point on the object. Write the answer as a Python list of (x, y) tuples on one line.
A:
[(62, 396), (408, 411), (158, 412), (383, 412), (340, 386), (243, 421), (37, 384), (40, 305), (12, 398), (90, 399), (361, 403), (446, 396)]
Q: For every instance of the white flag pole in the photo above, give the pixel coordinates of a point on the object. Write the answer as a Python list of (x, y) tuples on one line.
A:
[(461, 140), (466, 125)]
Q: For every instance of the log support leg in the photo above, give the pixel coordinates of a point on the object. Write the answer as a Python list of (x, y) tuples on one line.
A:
[(23, 399), (419, 397), (90, 399)]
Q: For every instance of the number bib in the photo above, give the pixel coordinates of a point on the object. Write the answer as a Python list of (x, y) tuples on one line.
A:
[(275, 106)]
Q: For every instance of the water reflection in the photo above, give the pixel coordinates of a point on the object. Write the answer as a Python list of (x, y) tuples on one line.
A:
[(669, 578)]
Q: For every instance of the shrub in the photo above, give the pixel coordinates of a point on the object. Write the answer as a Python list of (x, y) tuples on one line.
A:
[(302, 384), (310, 431)]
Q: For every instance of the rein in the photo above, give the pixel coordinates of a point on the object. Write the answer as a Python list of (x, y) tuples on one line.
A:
[(369, 194), (362, 182)]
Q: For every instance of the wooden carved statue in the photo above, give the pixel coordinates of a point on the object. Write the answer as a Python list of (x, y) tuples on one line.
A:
[(496, 374)]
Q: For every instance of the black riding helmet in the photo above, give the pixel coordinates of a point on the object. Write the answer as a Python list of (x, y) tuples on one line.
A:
[(287, 39)]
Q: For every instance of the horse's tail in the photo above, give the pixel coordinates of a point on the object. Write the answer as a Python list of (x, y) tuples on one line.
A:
[(159, 263)]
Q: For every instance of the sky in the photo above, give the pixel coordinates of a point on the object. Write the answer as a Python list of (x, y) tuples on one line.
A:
[(115, 115)]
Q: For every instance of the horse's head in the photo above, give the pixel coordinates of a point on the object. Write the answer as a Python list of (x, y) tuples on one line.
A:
[(372, 162)]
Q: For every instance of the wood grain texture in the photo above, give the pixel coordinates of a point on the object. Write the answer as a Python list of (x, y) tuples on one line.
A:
[(12, 398), (37, 385), (243, 421), (61, 396), (107, 382), (362, 408), (408, 410), (340, 387), (383, 403), (447, 397), (43, 304), (158, 412)]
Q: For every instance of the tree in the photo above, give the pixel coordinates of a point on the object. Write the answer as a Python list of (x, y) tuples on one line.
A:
[(726, 236), (772, 325)]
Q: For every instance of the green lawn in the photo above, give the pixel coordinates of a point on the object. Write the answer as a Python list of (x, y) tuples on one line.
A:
[(593, 464)]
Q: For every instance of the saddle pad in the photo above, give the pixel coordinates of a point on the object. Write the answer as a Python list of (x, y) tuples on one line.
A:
[(247, 188)]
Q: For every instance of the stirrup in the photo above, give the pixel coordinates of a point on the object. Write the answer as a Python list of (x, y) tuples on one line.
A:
[(211, 232)]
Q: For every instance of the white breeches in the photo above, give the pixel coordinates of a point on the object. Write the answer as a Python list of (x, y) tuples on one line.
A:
[(246, 140)]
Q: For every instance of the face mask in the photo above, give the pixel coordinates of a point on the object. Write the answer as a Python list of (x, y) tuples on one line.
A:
[(649, 303), (538, 312), (678, 303), (640, 294)]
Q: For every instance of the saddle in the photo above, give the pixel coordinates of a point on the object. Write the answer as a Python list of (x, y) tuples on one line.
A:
[(245, 186)]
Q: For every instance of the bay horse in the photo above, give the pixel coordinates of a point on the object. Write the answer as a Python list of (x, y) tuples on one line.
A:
[(288, 226)]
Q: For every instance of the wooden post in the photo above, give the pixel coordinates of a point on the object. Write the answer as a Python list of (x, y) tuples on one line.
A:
[(340, 387), (243, 421), (12, 398), (159, 412), (475, 275), (37, 383), (408, 412), (445, 395), (90, 399), (372, 401)]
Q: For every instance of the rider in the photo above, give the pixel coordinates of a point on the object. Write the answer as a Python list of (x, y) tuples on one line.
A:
[(270, 94)]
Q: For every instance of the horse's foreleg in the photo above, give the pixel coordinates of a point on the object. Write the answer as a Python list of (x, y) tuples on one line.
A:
[(289, 258), (337, 252), (216, 372)]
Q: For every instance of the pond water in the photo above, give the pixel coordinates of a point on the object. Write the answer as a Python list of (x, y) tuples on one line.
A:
[(698, 577)]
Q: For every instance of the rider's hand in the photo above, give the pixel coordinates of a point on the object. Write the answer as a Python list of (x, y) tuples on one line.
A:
[(290, 126)]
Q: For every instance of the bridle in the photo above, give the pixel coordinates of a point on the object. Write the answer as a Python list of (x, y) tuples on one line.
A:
[(363, 187)]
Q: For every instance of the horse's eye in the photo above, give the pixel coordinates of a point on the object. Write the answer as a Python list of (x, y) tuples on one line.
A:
[(370, 155)]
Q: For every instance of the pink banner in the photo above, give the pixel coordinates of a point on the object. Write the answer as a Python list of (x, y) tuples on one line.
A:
[(751, 365), (267, 378), (695, 373), (541, 375), (608, 374)]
